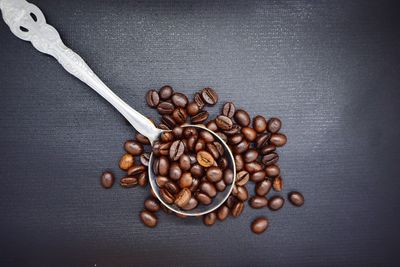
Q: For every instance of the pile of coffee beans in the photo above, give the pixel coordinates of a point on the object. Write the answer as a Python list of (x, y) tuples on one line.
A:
[(186, 178)]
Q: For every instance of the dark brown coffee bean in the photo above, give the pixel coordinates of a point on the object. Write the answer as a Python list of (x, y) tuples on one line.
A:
[(171, 187), (242, 193), (270, 159), (156, 164), (191, 142), (179, 115), (186, 180), (228, 109), (135, 170), (128, 181), (199, 100), (228, 176), (176, 150), (223, 163), (163, 166), (257, 176), (222, 136), (278, 139), (211, 125), (274, 125), (231, 201), (220, 186), (257, 202), (262, 140), (184, 162), (183, 197), (177, 132), (192, 108), (242, 118), (107, 179), (126, 161), (192, 204), (234, 130), (203, 198), (239, 162), (262, 188), (210, 218), (205, 159), (166, 196), (189, 131), (272, 170), (142, 179), (296, 198), (197, 171), (162, 126), (166, 92), (224, 122), (175, 171), (209, 96), (242, 178), (220, 148), (249, 133), (163, 149), (179, 100), (152, 98), (214, 174), (235, 139), (222, 213), (277, 184), (169, 121), (237, 209), (267, 149), (253, 167), (151, 204), (195, 184), (213, 150), (250, 155), (241, 147), (276, 203), (142, 139), (259, 225), (206, 136), (161, 181), (200, 117), (200, 145), (259, 124), (208, 188), (166, 137), (165, 108), (148, 218)]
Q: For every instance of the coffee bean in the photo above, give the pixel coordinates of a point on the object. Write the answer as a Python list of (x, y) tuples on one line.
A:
[(179, 100), (270, 159), (220, 186), (272, 171), (169, 121), (250, 155), (126, 161), (249, 133), (262, 188), (277, 184), (257, 176), (242, 178), (206, 136), (192, 204), (200, 145), (179, 115), (262, 140), (239, 162), (203, 198), (166, 210), (149, 219), (166, 137), (205, 159), (177, 132), (166, 92), (235, 139), (257, 202), (107, 179), (128, 181), (275, 203), (224, 122), (156, 164), (213, 150), (274, 125), (253, 167), (211, 125), (222, 213), (208, 188), (166, 196), (171, 187), (242, 193), (142, 179), (242, 118), (199, 100), (191, 142), (184, 162), (163, 166), (152, 98), (234, 130), (200, 117), (223, 163), (267, 149), (259, 225), (134, 148), (231, 201), (209, 96), (197, 171), (278, 139), (192, 108), (241, 147), (228, 176), (164, 149), (222, 136), (161, 181), (190, 131), (183, 197), (237, 209), (214, 174), (152, 205), (175, 171), (186, 180), (259, 124), (142, 139), (165, 108), (228, 109), (135, 170), (210, 218), (162, 126), (296, 198), (176, 150)]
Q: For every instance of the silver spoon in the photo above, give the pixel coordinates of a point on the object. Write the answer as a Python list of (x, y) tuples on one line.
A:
[(28, 23)]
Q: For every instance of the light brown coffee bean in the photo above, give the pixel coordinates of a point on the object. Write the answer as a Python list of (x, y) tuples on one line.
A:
[(242, 178), (134, 148), (205, 159), (148, 218), (126, 162), (277, 184), (183, 197), (296, 198), (275, 203), (209, 219), (278, 139), (186, 180), (258, 202), (262, 188), (128, 181), (237, 209), (151, 204), (249, 133), (272, 171), (222, 213), (259, 124), (259, 225)]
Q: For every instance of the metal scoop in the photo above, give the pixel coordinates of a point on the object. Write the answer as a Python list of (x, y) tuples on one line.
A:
[(28, 23)]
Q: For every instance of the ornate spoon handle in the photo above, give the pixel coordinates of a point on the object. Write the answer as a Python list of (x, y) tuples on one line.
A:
[(28, 23)]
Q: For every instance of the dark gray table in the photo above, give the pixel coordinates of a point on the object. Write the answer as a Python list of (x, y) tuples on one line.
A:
[(329, 69)]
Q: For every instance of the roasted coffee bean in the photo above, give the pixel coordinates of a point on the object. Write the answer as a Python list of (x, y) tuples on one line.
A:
[(211, 125), (210, 218), (128, 181), (259, 124), (191, 142), (197, 171), (237, 209), (257, 176), (262, 140), (274, 125), (250, 155), (203, 198), (171, 187), (200, 117), (277, 184), (189, 131), (152, 98), (239, 162), (186, 180), (166, 196), (142, 179), (192, 108), (161, 181), (126, 161), (200, 145), (249, 133), (228, 109), (183, 197), (267, 149), (151, 204), (165, 108), (166, 137), (163, 149), (148, 218), (220, 148), (213, 150), (278, 139), (199, 100), (135, 170), (209, 96), (253, 167), (184, 162), (205, 159), (235, 139), (276, 203), (168, 121), (259, 225), (192, 204), (142, 139), (214, 174), (242, 193), (242, 118), (231, 201), (208, 188), (257, 202), (272, 171), (107, 179), (234, 130), (179, 100), (176, 150), (166, 92), (222, 136), (296, 198), (177, 132), (166, 210), (224, 122), (223, 163), (195, 184), (228, 176), (220, 186), (241, 147), (163, 166), (262, 188), (206, 136), (156, 164), (175, 171), (179, 115), (270, 159), (222, 213), (162, 126), (134, 148), (242, 178)]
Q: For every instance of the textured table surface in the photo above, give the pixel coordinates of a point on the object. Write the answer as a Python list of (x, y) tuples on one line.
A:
[(329, 69)]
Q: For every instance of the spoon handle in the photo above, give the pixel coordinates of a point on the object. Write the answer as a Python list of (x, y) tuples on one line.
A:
[(28, 23)]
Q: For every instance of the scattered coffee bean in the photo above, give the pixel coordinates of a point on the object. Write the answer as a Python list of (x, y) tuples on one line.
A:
[(209, 96), (211, 125), (179, 115), (228, 176), (277, 184), (249, 133), (222, 213), (152, 98), (250, 155), (203, 198), (262, 140), (210, 218), (259, 124), (199, 100), (228, 109), (263, 187), (258, 202), (135, 170), (179, 100), (242, 118), (186, 180), (192, 108), (296, 198), (183, 197), (166, 196), (242, 178), (278, 139), (149, 219), (224, 122), (274, 125), (134, 148), (165, 108), (270, 159), (214, 174), (192, 204), (208, 188), (176, 150), (142, 139), (205, 159), (258, 176), (151, 204), (275, 203), (272, 170), (237, 209), (200, 117), (142, 179), (107, 179), (239, 162), (253, 167), (126, 161), (128, 181), (259, 225)]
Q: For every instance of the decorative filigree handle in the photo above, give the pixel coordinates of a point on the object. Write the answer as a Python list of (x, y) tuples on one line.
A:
[(28, 23)]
